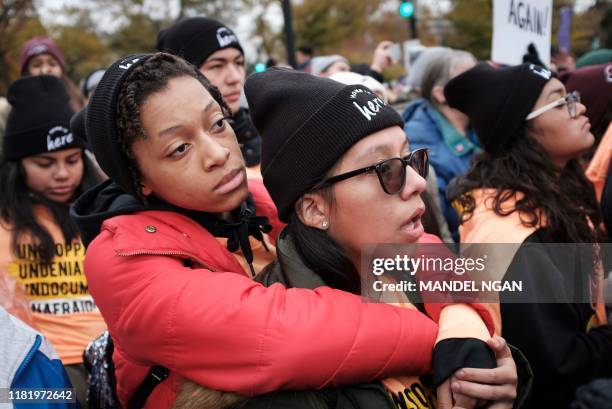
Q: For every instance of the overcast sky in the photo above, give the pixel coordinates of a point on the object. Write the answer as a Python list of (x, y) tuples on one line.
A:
[(50, 13)]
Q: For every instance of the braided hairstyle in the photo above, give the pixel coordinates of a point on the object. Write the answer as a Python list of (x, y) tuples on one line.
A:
[(564, 196), (148, 78)]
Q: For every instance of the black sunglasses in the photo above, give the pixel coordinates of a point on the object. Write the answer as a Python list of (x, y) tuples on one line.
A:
[(391, 172)]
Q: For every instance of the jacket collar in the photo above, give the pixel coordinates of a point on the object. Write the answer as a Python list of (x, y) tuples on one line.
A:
[(459, 144), (108, 200), (156, 232), (289, 269)]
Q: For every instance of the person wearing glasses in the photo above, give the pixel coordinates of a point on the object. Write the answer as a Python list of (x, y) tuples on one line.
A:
[(342, 175), (164, 236), (528, 188)]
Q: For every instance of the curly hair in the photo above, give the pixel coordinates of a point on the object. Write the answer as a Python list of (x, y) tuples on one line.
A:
[(564, 197), (145, 80)]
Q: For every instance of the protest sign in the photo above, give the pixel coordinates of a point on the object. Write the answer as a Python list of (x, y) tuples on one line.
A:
[(516, 24)]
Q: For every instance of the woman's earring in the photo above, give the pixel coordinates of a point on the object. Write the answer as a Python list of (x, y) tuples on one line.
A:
[(324, 225)]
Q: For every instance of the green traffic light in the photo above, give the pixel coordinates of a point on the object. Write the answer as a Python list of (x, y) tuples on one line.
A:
[(260, 67), (406, 9)]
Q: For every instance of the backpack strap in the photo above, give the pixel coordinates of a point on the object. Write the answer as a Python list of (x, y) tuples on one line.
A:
[(156, 375)]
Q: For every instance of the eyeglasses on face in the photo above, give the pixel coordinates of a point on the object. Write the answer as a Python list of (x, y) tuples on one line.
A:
[(572, 100), (391, 172)]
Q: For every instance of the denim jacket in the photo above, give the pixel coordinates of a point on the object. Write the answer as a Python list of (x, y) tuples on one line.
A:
[(450, 153)]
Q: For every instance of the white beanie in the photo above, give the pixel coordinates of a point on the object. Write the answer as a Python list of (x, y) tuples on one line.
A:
[(322, 63), (353, 78)]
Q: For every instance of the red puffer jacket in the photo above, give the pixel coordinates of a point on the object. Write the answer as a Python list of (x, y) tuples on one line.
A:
[(213, 325)]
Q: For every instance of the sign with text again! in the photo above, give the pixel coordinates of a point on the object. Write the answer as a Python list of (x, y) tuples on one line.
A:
[(518, 23)]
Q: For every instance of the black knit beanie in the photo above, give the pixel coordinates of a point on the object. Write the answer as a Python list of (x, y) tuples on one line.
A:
[(195, 38), (101, 121), (497, 100), (307, 123), (40, 118)]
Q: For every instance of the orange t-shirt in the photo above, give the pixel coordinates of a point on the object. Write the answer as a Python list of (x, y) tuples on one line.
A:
[(261, 256), (598, 168), (57, 293)]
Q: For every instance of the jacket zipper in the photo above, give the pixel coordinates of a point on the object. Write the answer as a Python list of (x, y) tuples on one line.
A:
[(29, 356), (165, 253)]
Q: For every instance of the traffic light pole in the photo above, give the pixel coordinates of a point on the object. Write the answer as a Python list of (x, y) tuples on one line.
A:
[(408, 10), (413, 27), (289, 33)]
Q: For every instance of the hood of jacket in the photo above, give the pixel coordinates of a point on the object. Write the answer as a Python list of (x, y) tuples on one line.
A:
[(426, 126), (16, 340), (423, 131), (100, 203), (419, 121), (414, 108)]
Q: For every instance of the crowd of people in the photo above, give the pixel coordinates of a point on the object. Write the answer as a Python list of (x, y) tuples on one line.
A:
[(175, 234)]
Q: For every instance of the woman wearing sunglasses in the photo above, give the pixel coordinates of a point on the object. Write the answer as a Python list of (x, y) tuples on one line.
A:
[(338, 167), (528, 188)]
